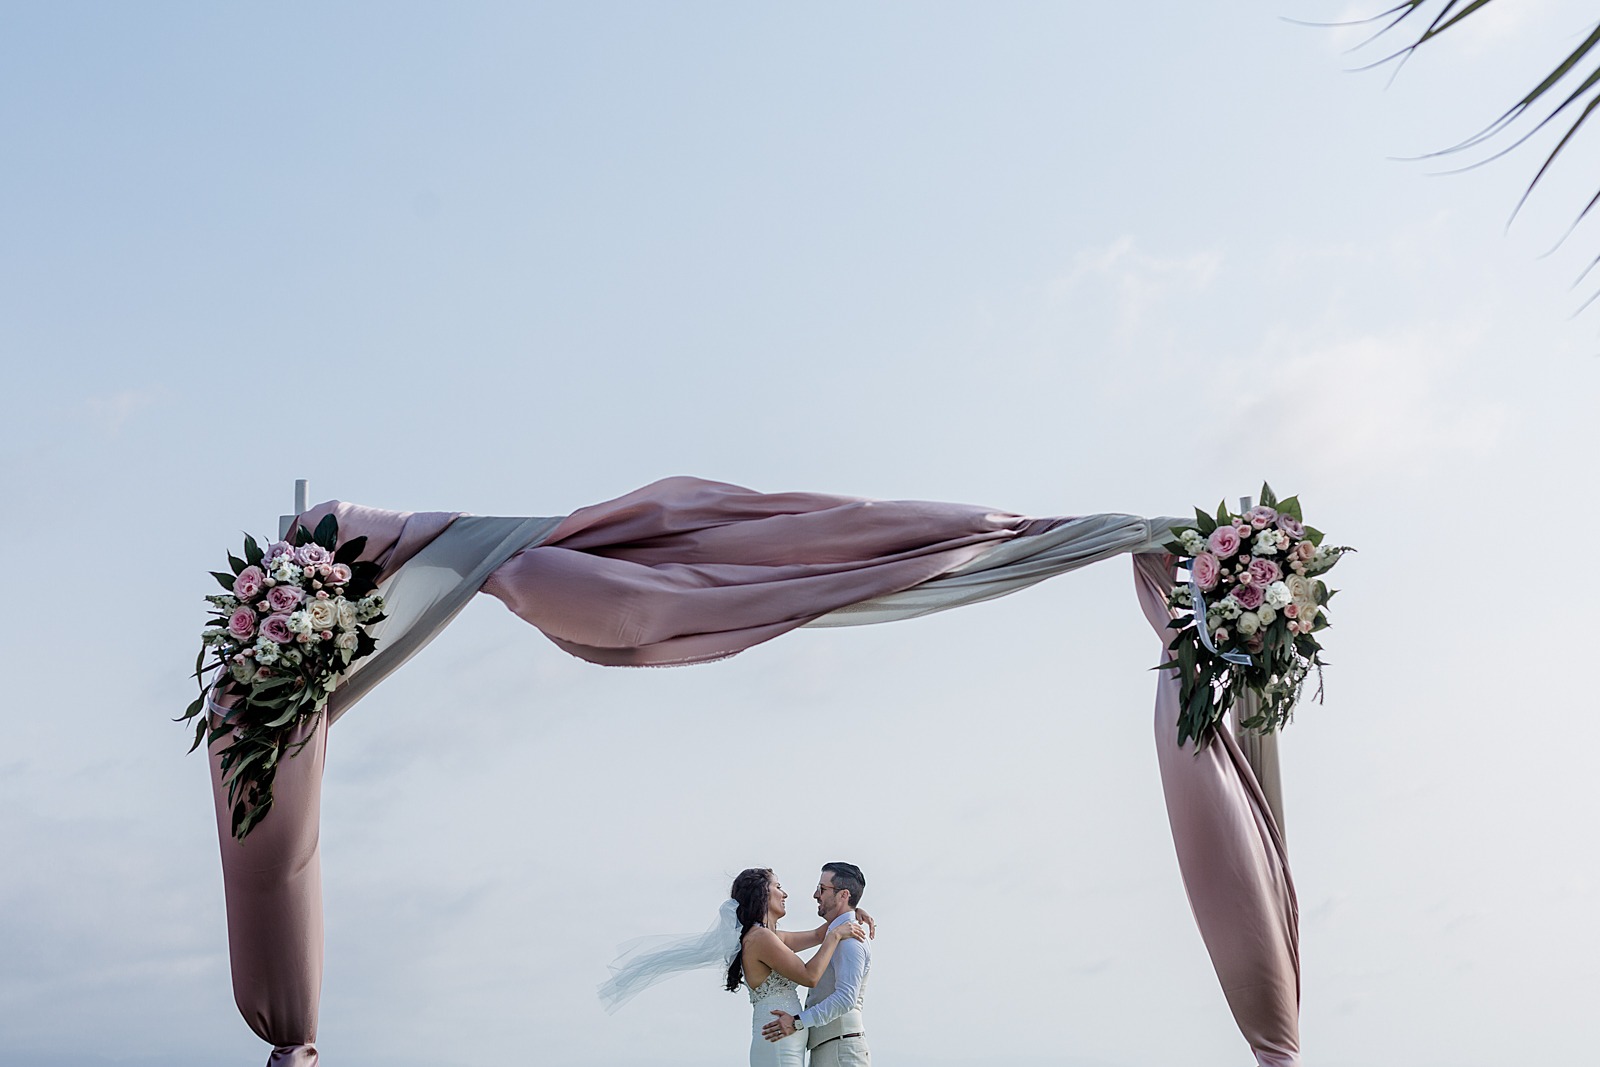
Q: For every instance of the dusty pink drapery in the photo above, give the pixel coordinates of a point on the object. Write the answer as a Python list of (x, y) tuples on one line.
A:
[(685, 571)]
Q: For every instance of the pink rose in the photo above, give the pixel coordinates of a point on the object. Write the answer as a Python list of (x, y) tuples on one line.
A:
[(1291, 526), (1291, 610), (312, 555), (339, 574), (284, 598), (279, 549), (249, 583), (1248, 596), (1205, 570), (241, 624), (1264, 572), (1224, 541), (276, 628), (1261, 516), (1305, 550)]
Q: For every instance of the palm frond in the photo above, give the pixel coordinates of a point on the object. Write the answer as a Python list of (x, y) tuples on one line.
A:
[(1521, 121)]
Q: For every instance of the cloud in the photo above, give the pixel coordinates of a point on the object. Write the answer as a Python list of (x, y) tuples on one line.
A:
[(112, 411), (1141, 285), (1370, 404)]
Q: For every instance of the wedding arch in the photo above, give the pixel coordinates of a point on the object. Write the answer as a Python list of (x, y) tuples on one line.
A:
[(689, 571)]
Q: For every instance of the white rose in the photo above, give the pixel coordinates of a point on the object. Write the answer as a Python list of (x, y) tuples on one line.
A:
[(1266, 614), (322, 614), (346, 641), (286, 571), (345, 612), (1247, 624), (1266, 543), (300, 622), (1278, 595)]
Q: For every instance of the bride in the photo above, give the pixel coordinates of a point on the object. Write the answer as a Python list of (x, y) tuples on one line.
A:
[(767, 963), (747, 943)]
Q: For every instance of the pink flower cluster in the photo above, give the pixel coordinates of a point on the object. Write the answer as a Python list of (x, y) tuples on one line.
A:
[(1258, 562), (269, 593)]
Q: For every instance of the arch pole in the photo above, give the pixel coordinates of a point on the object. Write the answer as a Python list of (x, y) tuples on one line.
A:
[(1261, 750), (285, 521)]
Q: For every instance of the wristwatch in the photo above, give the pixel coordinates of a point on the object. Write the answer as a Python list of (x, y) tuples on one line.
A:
[(798, 1025)]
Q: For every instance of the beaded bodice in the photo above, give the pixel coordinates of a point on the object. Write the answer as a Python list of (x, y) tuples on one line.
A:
[(775, 987)]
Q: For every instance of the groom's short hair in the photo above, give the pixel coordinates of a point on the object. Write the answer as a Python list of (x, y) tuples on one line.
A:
[(848, 876)]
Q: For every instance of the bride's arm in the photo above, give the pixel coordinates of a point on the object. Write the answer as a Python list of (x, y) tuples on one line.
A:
[(800, 940), (768, 948)]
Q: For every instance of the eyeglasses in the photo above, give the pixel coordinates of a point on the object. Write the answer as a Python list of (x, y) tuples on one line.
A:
[(829, 888)]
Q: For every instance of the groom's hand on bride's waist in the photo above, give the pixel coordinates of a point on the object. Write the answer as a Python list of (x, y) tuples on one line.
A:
[(779, 1028)]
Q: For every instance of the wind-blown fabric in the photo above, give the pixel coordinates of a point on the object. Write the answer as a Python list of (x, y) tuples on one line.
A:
[(688, 571)]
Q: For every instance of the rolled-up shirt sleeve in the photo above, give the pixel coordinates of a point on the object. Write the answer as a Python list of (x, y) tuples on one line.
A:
[(849, 971)]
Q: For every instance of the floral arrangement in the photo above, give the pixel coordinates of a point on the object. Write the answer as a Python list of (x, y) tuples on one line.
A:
[(290, 622), (1248, 617)]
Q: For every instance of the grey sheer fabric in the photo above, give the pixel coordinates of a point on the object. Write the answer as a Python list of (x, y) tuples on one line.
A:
[(1012, 565), (430, 589)]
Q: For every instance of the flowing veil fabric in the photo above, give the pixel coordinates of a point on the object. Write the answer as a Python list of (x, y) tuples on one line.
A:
[(648, 960)]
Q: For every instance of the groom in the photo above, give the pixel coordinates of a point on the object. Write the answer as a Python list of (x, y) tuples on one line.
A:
[(835, 1032)]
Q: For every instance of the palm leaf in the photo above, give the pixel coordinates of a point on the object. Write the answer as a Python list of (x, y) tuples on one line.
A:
[(1435, 17)]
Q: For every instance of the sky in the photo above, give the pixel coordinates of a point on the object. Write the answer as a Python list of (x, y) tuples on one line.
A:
[(1052, 258)]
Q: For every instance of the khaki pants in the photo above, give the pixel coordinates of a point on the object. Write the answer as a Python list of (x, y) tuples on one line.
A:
[(845, 1052)]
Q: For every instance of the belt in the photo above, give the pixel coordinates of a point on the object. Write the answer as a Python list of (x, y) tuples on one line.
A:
[(840, 1037)]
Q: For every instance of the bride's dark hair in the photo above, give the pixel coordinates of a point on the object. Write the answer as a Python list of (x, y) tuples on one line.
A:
[(751, 891)]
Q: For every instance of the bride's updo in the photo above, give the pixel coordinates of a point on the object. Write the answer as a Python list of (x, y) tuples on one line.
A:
[(751, 891)]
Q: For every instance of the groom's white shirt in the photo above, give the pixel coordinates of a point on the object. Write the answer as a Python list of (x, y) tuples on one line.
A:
[(843, 984)]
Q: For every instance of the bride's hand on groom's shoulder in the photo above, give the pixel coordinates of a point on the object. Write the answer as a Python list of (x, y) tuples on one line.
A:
[(850, 930), (868, 921)]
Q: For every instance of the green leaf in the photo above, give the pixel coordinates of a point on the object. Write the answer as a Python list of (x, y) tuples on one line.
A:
[(1314, 535), (1204, 523), (1222, 513), (252, 551), (236, 563), (1268, 497), (290, 713), (351, 550), (193, 709), (1291, 508), (199, 735), (327, 534), (302, 536), (224, 580)]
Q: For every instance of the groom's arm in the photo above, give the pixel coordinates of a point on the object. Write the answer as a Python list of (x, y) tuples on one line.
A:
[(849, 971)]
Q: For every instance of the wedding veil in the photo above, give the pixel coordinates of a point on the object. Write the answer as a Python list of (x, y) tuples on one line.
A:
[(646, 961)]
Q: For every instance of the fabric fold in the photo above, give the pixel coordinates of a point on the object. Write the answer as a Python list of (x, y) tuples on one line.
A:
[(1232, 858)]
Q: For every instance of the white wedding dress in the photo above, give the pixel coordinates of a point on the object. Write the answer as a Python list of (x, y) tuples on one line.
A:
[(776, 993)]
